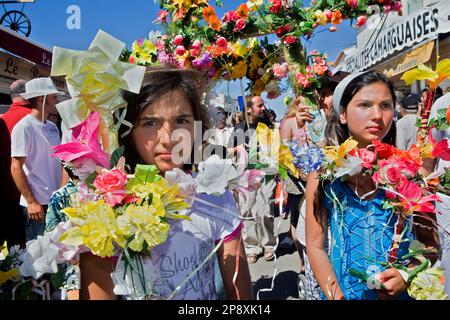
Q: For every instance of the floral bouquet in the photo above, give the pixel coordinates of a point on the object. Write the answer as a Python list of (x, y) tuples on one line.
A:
[(407, 191)]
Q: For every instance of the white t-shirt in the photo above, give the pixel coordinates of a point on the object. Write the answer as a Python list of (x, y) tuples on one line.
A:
[(189, 243), (32, 139)]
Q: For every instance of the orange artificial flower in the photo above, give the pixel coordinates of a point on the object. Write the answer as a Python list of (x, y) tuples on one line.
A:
[(214, 23), (336, 18), (243, 11), (209, 13)]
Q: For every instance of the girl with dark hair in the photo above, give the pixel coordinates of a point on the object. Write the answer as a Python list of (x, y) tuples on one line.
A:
[(353, 230), (168, 105)]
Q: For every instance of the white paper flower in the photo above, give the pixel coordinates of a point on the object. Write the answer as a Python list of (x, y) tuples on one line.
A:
[(214, 175), (130, 283), (350, 166), (65, 252), (184, 180), (39, 257)]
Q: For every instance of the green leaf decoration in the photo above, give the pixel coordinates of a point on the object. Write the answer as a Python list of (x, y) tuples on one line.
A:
[(116, 156)]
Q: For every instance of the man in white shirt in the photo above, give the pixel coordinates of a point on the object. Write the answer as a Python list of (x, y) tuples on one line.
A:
[(36, 174)]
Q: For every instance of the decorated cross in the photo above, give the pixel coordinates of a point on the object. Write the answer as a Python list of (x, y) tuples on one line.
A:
[(227, 48)]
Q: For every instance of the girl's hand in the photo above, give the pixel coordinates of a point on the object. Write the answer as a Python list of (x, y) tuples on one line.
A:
[(302, 115), (393, 284)]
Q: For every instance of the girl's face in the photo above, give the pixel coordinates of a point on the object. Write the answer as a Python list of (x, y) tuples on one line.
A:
[(154, 135), (369, 114)]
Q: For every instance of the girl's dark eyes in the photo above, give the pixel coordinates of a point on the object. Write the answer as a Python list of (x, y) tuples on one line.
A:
[(182, 121), (149, 123)]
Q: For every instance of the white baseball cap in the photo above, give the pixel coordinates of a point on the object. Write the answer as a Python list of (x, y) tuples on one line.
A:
[(40, 87)]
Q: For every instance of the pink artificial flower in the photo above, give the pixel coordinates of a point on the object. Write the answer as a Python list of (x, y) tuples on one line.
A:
[(368, 157), (178, 40), (180, 50), (397, 6), (442, 150), (197, 45), (412, 199), (240, 24), (111, 184), (230, 16), (360, 21), (280, 70), (221, 42), (387, 8), (328, 14), (162, 16), (85, 144), (319, 69), (352, 3), (393, 170), (302, 80)]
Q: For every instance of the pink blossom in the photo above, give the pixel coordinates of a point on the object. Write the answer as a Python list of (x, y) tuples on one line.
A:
[(353, 3), (328, 14), (196, 45), (85, 143), (280, 70), (412, 199), (230, 16), (387, 8), (180, 50), (162, 16), (397, 6), (240, 24), (361, 20), (222, 42), (111, 184), (178, 40), (302, 80)]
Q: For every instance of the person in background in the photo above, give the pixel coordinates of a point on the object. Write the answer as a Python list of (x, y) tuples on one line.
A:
[(12, 227), (258, 232), (406, 126), (237, 118), (36, 174)]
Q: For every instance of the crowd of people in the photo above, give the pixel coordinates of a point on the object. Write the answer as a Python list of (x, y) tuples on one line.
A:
[(361, 105)]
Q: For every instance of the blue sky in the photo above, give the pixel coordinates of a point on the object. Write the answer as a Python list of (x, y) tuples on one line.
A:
[(133, 19)]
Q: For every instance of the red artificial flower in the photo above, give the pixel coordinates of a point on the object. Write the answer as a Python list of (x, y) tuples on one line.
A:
[(383, 150), (289, 40)]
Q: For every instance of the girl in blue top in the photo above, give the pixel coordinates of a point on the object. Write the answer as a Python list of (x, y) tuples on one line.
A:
[(350, 233)]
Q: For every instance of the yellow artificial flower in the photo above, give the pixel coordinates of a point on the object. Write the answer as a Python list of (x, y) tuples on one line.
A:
[(187, 4), (239, 70), (8, 275), (144, 224), (253, 5), (337, 154), (4, 251), (428, 285), (240, 49), (255, 61), (96, 227), (270, 140), (434, 78), (321, 17)]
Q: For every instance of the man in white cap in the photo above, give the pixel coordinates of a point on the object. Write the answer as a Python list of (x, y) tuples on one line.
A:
[(36, 174)]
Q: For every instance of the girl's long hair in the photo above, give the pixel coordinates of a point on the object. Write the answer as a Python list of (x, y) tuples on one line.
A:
[(336, 131)]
